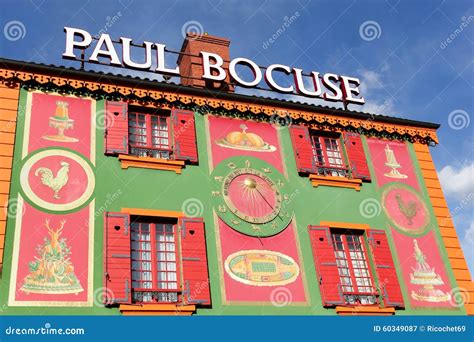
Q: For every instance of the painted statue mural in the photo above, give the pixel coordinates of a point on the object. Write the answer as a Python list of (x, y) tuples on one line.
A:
[(256, 233), (54, 226), (411, 225)]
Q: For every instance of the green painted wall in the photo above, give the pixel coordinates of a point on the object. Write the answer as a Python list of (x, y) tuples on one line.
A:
[(165, 190)]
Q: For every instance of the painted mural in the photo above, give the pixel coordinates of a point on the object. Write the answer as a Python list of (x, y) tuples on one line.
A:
[(54, 230), (423, 270), (391, 162), (256, 233), (405, 208)]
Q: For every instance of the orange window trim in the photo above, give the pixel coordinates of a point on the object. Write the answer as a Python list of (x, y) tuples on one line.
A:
[(364, 311), (152, 212), (347, 225), (339, 182), (157, 310), (446, 226), (127, 161)]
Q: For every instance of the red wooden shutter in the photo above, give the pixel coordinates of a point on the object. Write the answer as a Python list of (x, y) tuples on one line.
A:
[(116, 127), (185, 146), (356, 156), (194, 262), (386, 273), (326, 267), (117, 263), (303, 149)]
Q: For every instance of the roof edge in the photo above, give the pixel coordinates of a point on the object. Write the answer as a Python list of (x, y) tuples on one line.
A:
[(63, 71)]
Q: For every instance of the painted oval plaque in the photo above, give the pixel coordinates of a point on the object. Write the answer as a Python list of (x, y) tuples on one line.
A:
[(261, 268)]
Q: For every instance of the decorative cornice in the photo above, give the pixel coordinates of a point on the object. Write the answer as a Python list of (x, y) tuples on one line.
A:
[(202, 104)]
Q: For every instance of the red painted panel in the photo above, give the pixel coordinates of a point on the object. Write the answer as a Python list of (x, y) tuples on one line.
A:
[(185, 144), (356, 156), (326, 267), (117, 263), (303, 149), (387, 275), (48, 117), (42, 278), (424, 271), (220, 128), (116, 130), (284, 243), (194, 262), (392, 162)]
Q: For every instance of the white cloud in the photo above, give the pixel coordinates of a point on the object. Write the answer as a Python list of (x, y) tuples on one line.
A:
[(370, 80), (457, 182)]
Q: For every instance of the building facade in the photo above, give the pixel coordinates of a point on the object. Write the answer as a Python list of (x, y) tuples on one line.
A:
[(128, 196)]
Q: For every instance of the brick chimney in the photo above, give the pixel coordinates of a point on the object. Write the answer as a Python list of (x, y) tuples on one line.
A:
[(191, 66)]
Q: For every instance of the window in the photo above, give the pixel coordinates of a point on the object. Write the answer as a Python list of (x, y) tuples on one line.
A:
[(154, 262), (328, 156), (354, 274), (149, 135)]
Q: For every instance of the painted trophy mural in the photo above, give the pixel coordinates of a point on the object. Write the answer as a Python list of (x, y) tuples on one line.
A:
[(256, 235), (54, 223), (411, 225)]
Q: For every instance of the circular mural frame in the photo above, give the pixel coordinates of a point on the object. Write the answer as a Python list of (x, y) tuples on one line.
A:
[(57, 207), (406, 209)]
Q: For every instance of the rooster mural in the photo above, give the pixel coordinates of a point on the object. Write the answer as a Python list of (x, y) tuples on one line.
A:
[(55, 183), (408, 210)]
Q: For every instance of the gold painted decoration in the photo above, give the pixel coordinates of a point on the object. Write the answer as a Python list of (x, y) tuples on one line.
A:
[(245, 141), (55, 183), (52, 271), (261, 268), (61, 121), (393, 164), (426, 276)]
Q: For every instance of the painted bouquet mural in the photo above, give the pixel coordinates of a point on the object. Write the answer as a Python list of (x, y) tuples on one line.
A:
[(52, 271)]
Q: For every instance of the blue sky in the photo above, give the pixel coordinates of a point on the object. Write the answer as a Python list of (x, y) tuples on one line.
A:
[(408, 67)]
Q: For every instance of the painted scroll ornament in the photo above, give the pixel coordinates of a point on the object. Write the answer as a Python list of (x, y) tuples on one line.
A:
[(426, 276), (52, 271), (61, 121), (245, 141), (261, 268)]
